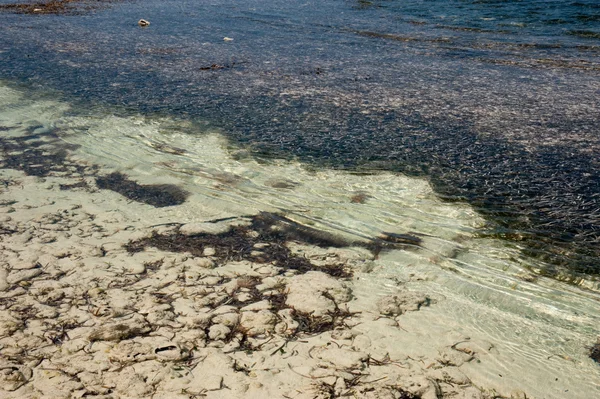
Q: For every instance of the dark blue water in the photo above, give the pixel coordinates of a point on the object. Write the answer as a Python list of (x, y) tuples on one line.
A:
[(496, 102)]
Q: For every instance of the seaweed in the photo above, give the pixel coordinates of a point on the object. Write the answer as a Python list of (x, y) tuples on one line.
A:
[(81, 184), (313, 325), (239, 243), (40, 155), (595, 352), (157, 195)]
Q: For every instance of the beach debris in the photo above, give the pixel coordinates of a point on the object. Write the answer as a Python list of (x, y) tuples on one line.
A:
[(118, 331), (359, 198), (143, 23), (13, 376)]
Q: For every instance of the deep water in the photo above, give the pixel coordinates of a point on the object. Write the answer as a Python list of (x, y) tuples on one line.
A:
[(495, 102)]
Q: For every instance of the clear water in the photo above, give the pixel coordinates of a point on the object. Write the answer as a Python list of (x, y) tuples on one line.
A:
[(495, 102), (474, 123)]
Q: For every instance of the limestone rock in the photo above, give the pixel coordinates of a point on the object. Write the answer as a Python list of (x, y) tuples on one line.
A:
[(191, 229), (118, 331), (23, 275), (394, 305), (341, 357), (4, 285), (218, 332), (257, 323), (315, 292)]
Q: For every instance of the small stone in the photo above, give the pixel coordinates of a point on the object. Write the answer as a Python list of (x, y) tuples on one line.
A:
[(205, 263), (209, 251)]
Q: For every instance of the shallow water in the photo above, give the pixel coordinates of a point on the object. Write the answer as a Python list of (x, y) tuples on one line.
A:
[(481, 287), (494, 102), (472, 125)]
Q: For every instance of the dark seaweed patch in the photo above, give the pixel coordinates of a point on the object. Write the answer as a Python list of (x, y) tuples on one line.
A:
[(44, 154), (595, 352), (311, 324), (40, 155), (82, 184), (157, 195), (239, 243)]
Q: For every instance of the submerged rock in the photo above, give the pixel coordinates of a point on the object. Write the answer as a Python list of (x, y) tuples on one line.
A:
[(395, 305), (316, 293)]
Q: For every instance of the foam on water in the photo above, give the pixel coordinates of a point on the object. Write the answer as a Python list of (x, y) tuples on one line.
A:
[(482, 287)]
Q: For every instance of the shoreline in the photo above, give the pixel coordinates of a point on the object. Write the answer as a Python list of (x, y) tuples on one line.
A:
[(84, 315), (123, 284)]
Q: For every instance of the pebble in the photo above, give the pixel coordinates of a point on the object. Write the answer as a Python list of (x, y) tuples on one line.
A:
[(209, 251)]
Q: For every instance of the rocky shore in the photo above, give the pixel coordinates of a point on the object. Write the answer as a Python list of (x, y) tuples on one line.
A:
[(104, 294)]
